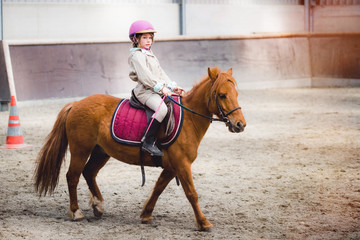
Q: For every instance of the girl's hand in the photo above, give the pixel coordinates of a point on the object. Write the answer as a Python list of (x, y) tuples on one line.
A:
[(166, 91), (179, 90)]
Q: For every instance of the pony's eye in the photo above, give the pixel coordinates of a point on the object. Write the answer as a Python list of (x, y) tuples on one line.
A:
[(222, 96)]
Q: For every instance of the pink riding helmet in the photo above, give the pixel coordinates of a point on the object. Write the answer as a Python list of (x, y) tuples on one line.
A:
[(140, 26)]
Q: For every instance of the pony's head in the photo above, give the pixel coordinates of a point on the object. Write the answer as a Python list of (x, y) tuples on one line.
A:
[(223, 100)]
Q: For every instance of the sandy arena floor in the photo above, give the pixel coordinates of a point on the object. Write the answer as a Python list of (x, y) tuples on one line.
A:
[(293, 174)]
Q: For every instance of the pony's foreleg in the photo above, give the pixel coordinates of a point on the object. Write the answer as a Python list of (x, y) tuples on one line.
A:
[(97, 160), (187, 183), (77, 164), (165, 177)]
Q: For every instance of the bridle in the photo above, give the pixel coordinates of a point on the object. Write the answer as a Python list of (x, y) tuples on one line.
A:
[(224, 116)]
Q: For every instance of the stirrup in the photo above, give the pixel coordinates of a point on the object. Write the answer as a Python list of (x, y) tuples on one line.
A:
[(152, 149)]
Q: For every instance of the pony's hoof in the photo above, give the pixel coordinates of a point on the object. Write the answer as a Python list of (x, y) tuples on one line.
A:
[(76, 216), (205, 226), (146, 216), (98, 206), (146, 220), (98, 211)]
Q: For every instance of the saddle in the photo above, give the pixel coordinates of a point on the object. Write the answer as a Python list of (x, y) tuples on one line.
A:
[(131, 118)]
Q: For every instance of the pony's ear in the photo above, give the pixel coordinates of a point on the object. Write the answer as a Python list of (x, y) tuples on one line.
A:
[(213, 73), (230, 71)]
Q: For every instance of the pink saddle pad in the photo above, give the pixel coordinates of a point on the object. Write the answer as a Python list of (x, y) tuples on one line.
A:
[(128, 124)]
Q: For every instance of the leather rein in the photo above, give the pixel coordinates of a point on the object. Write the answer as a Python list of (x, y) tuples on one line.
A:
[(224, 116)]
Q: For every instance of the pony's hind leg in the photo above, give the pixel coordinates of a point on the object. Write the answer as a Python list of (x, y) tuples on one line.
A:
[(165, 177), (97, 160), (77, 163)]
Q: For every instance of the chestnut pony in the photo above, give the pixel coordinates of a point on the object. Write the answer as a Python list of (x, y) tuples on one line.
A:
[(84, 126)]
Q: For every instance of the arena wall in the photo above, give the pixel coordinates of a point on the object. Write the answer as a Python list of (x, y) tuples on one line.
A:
[(100, 20), (79, 21), (97, 21), (69, 70), (335, 60), (336, 18), (57, 70)]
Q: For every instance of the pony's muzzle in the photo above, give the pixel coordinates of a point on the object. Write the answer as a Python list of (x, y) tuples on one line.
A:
[(237, 127), (241, 126)]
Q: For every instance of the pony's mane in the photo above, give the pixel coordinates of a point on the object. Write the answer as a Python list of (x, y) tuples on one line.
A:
[(197, 84), (222, 78)]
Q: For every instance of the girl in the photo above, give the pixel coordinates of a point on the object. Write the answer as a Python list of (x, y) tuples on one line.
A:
[(152, 81)]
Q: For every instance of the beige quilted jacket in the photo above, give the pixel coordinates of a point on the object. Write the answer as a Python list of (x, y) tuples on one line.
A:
[(147, 72)]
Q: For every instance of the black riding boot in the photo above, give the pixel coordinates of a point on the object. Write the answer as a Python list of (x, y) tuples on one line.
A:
[(149, 141)]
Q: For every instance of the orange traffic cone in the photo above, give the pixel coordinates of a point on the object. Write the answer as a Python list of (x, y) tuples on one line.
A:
[(14, 137)]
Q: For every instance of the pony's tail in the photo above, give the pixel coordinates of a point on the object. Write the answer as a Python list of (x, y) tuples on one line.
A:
[(52, 155)]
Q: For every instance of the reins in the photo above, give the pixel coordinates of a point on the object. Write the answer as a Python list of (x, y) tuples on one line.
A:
[(222, 113), (192, 111)]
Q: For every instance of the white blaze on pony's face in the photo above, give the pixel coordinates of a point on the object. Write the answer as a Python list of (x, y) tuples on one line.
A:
[(225, 95)]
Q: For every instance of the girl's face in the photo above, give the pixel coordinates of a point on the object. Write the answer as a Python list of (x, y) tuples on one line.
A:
[(145, 40)]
